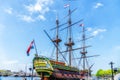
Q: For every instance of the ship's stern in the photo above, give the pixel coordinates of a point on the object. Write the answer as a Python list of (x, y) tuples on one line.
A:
[(43, 67)]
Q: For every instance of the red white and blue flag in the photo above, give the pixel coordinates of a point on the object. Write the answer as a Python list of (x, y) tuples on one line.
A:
[(30, 47), (66, 5)]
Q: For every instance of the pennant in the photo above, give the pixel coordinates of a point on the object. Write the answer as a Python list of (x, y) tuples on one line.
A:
[(66, 5), (82, 25), (30, 47)]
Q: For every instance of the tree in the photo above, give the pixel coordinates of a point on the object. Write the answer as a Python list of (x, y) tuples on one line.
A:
[(103, 73), (100, 73)]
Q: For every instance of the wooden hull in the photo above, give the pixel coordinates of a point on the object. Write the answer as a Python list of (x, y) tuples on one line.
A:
[(56, 78), (52, 70)]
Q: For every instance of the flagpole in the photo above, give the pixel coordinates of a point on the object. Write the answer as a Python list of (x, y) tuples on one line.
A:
[(35, 55), (32, 72), (35, 47)]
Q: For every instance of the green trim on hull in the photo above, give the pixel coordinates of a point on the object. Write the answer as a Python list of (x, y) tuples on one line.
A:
[(46, 67), (42, 66)]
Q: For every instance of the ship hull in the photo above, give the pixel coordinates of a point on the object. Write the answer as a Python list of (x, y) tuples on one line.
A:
[(54, 70)]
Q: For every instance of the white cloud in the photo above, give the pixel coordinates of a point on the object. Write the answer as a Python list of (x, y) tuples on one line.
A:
[(2, 51), (41, 17), (11, 62), (117, 48), (40, 7), (97, 5), (9, 10), (89, 29), (96, 32), (11, 65), (8, 64), (26, 18), (5, 63)]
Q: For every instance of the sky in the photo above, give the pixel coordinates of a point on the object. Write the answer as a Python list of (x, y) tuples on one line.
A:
[(21, 21)]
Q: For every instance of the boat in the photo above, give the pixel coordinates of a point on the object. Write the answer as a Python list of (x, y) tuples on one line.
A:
[(50, 69)]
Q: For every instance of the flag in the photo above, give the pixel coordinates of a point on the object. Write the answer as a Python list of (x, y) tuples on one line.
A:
[(30, 47), (82, 25), (66, 5)]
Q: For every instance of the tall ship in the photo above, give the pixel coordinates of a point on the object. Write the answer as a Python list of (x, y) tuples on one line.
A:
[(50, 69)]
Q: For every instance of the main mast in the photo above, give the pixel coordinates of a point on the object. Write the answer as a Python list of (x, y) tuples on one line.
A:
[(57, 40), (70, 43)]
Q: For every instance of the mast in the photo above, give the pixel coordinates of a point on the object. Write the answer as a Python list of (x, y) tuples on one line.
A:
[(84, 52), (70, 43), (57, 40), (86, 67)]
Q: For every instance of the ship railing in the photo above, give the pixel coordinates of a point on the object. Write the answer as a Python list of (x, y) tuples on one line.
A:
[(50, 58), (43, 56)]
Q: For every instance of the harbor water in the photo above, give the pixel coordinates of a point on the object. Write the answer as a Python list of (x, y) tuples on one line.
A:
[(18, 78)]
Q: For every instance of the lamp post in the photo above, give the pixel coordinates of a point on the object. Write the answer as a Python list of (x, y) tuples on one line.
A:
[(111, 63), (31, 70)]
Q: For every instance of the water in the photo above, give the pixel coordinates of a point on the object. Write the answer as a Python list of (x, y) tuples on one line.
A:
[(18, 78)]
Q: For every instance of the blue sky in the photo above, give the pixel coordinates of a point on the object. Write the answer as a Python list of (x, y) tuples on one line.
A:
[(22, 21)]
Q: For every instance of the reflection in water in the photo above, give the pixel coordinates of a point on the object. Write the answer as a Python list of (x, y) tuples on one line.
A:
[(18, 78)]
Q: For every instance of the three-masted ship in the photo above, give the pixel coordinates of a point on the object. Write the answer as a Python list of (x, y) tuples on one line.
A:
[(49, 69)]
